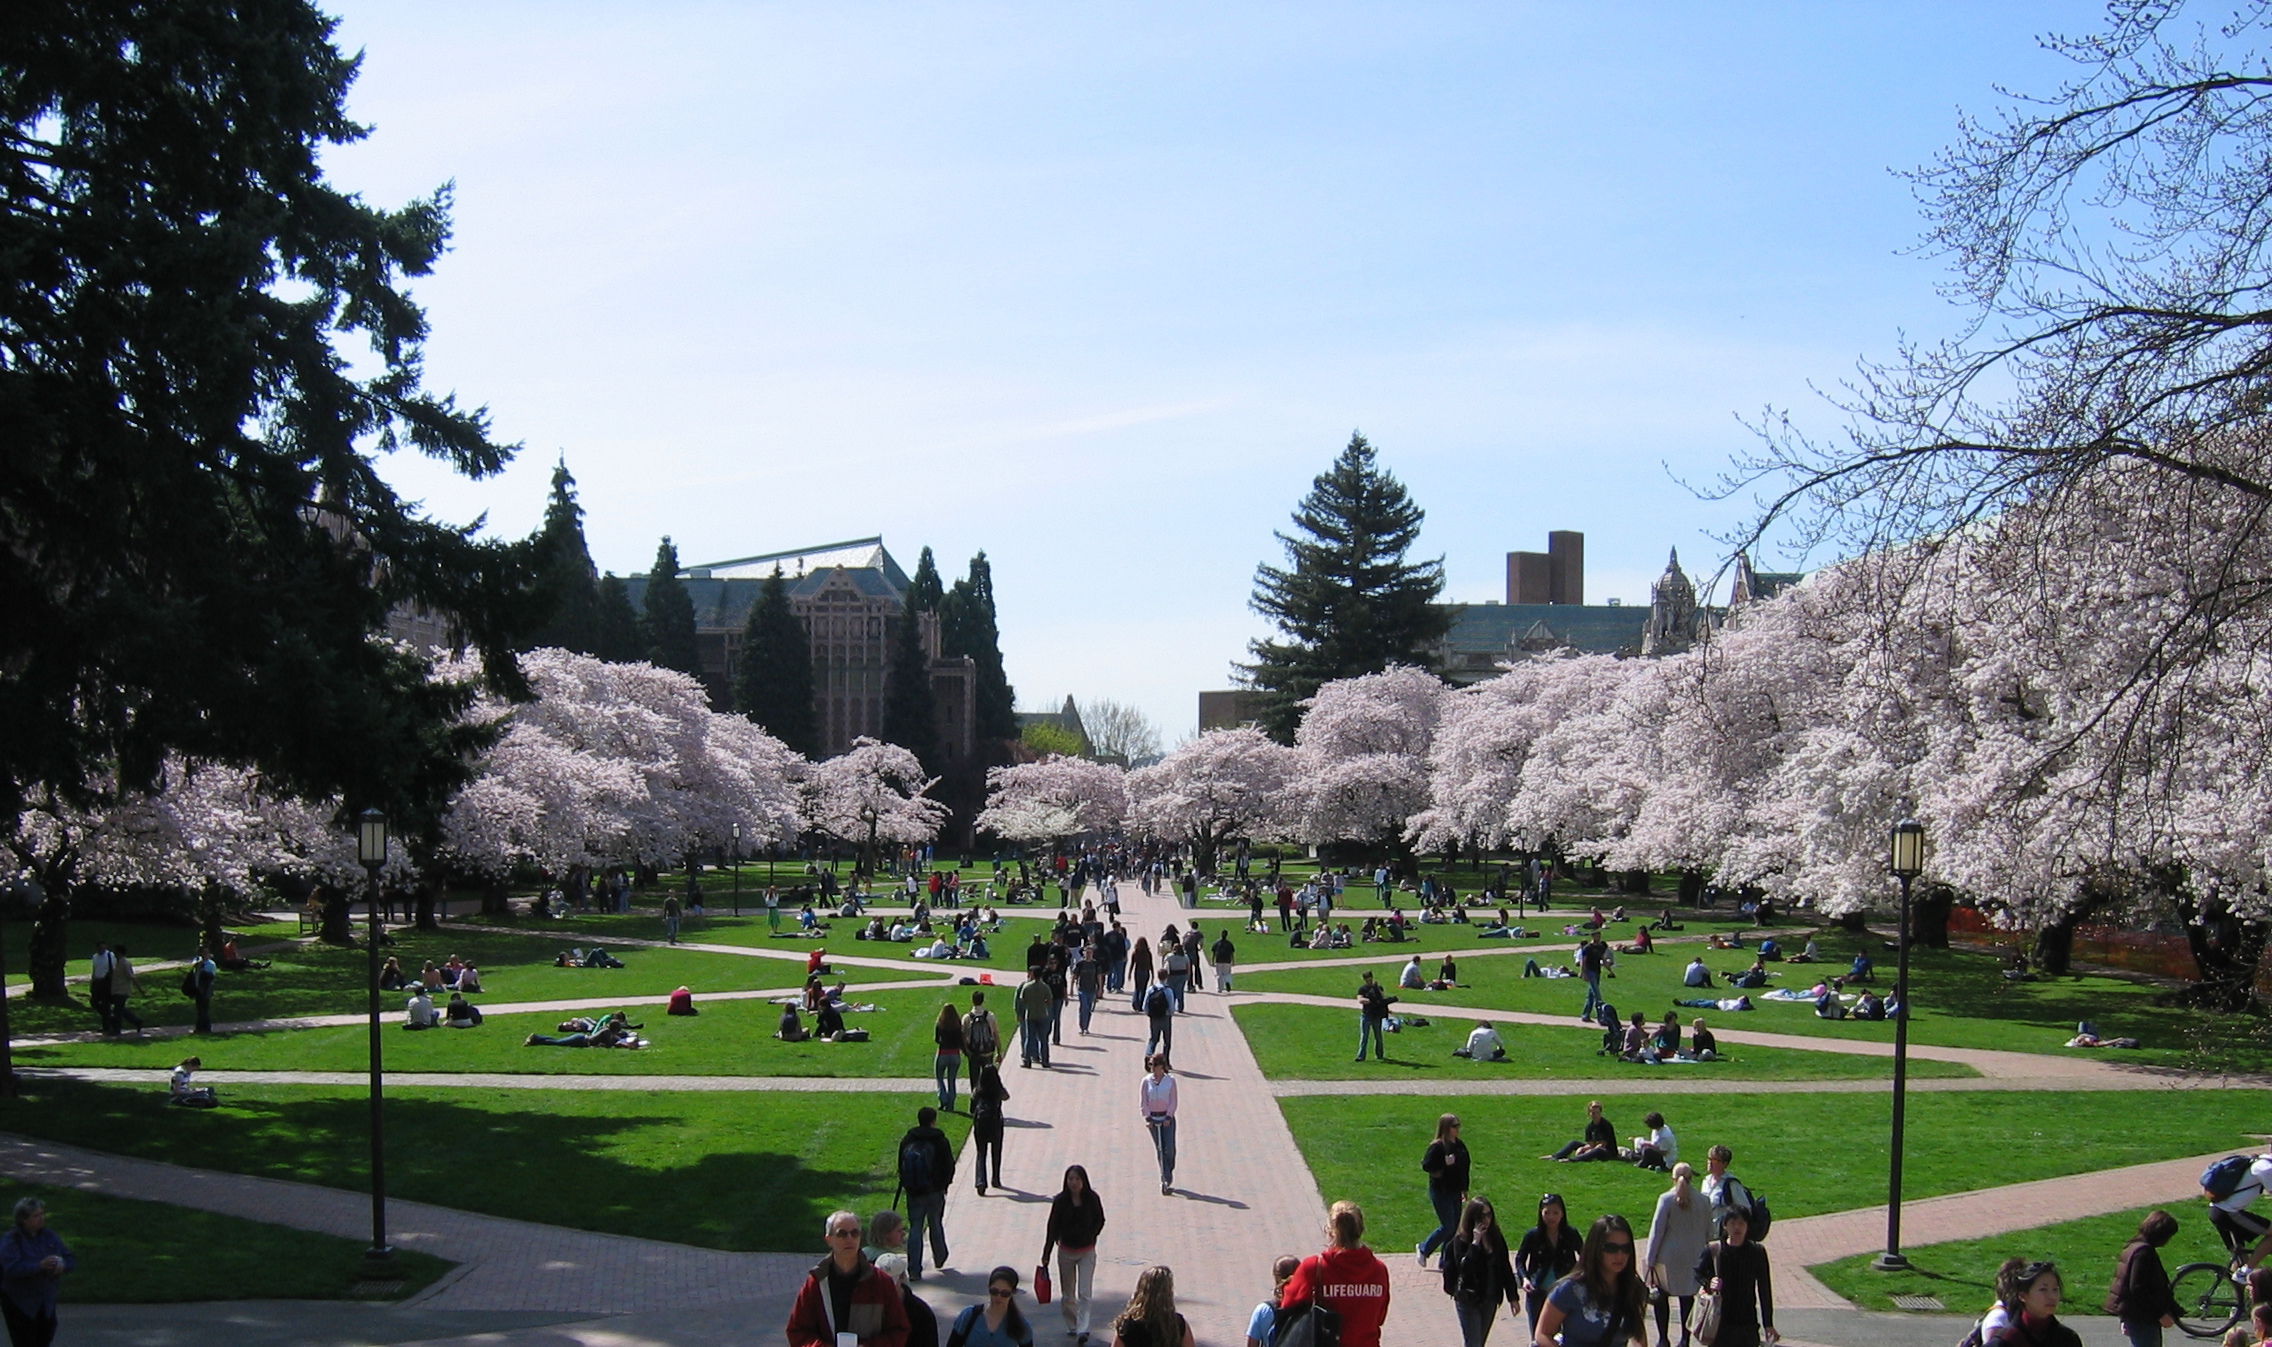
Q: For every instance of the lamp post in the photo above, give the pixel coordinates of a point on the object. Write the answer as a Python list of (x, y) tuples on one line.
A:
[(371, 850), (1906, 859), (737, 869)]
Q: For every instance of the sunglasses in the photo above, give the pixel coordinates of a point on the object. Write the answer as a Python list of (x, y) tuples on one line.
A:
[(1624, 1247), (1000, 1292)]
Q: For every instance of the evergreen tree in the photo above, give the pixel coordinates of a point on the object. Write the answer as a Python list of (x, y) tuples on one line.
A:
[(774, 686), (568, 580), (1350, 603), (668, 622), (615, 624), (911, 714), (924, 591), (966, 627)]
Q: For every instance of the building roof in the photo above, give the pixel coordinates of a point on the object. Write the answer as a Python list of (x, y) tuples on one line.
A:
[(1484, 634), (860, 554), (722, 602)]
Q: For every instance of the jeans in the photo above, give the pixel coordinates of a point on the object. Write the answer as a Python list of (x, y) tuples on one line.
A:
[(1088, 1007), (1475, 1318), (204, 1014), (1447, 1220), (1593, 996), (2143, 1333), (1175, 983), (1076, 1286), (946, 1067), (926, 1209), (1116, 976), (978, 1062), (1033, 1041), (670, 929), (1534, 1300), (1057, 1020), (986, 1143), (1376, 1030), (1162, 1037), (1163, 1141), (1143, 981)]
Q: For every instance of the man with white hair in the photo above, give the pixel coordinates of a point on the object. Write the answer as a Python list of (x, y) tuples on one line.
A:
[(845, 1293)]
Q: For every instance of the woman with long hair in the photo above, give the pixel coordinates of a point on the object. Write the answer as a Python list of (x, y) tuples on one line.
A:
[(986, 1125), (2036, 1291), (1601, 1304), (2140, 1299), (1678, 1234), (1346, 1278), (1156, 1097), (1151, 1319), (1446, 1165), (1076, 1217), (1139, 973), (1477, 1273), (1736, 1270), (997, 1323), (1548, 1252), (946, 1061)]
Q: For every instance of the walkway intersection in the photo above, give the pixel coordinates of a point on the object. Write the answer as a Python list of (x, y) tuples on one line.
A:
[(1242, 1195)]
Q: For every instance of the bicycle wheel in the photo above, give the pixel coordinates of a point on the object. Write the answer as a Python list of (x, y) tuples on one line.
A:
[(2208, 1299)]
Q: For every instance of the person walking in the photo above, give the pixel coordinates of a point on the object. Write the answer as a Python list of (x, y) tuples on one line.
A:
[(986, 1126), (203, 973), (1477, 1273), (1088, 983), (1037, 1006), (997, 1323), (103, 965), (1076, 1218), (1736, 1270), (33, 1260), (1193, 958), (772, 910), (1159, 1013), (1175, 965), (2034, 1311), (670, 918), (1156, 1097), (1151, 1319), (926, 1169), (1600, 1304), (1346, 1278), (2140, 1298), (1677, 1236), (946, 1058), (1591, 957), (1446, 1164), (981, 1037), (1225, 954), (1549, 1252), (1139, 973), (1261, 1326), (124, 987), (1372, 1017), (846, 1294)]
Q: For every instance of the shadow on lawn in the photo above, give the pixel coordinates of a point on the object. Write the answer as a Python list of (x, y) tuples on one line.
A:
[(550, 1168)]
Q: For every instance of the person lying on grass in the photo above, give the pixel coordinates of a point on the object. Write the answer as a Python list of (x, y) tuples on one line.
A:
[(614, 1032)]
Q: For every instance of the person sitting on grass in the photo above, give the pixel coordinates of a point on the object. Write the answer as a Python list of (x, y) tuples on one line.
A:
[(430, 977), (233, 960), (1642, 944), (1870, 1007), (1862, 970), (1726, 940), (1701, 1044), (469, 981), (1483, 1045), (1660, 1148), (1412, 979), (828, 1022), (391, 976), (792, 1027), (188, 1095), (1752, 978), (1667, 1038), (1598, 1143), (682, 1003), (1638, 1045), (1811, 954), (461, 1013), (420, 1012), (1771, 948)]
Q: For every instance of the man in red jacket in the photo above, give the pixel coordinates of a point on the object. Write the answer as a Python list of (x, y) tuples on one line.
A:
[(846, 1293)]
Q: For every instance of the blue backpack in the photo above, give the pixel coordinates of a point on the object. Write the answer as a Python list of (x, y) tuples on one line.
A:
[(2224, 1178)]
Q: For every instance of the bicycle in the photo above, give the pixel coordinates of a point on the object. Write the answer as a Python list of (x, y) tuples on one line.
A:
[(2210, 1297)]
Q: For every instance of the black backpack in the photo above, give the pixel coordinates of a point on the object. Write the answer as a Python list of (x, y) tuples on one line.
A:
[(1308, 1324), (915, 1165)]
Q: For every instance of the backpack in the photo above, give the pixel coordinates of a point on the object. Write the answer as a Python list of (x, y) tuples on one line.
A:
[(2224, 1178), (1308, 1324), (978, 1033), (189, 982), (1973, 1338), (1159, 1000), (915, 1166)]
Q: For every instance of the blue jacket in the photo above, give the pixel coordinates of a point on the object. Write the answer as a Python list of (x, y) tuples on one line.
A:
[(27, 1287)]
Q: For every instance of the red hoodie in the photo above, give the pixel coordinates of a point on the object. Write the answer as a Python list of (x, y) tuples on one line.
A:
[(1350, 1282)]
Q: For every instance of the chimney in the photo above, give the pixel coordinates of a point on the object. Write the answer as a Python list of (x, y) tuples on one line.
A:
[(1566, 553), (1530, 578)]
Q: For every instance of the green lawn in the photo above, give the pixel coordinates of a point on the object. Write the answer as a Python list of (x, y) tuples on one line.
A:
[(722, 1170), (729, 1038), (1313, 1043), (1007, 947), (1808, 1153), (149, 941), (149, 1253), (315, 979), (1963, 1273), (1962, 999)]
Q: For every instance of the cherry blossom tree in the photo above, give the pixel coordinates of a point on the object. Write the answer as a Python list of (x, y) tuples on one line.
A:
[(1053, 798), (1219, 785), (873, 792), (1361, 770)]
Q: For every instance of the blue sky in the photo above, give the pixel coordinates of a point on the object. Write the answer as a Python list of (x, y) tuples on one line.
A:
[(1099, 288)]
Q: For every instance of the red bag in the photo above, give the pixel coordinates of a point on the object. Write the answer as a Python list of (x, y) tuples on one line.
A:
[(1041, 1283)]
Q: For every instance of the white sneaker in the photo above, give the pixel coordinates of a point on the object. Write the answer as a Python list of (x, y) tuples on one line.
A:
[(1420, 1251)]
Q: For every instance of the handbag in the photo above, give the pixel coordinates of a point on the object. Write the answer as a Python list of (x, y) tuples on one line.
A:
[(1705, 1327), (1041, 1283)]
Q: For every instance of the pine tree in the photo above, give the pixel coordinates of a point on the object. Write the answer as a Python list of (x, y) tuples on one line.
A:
[(668, 623), (966, 627), (774, 686), (924, 591), (615, 624), (911, 713), (569, 580), (1350, 603)]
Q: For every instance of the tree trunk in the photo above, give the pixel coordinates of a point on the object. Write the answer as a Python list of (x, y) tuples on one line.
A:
[(429, 888), (496, 898), (51, 924), (2055, 947), (1633, 882), (338, 915), (212, 905), (1692, 888), (1854, 922), (2226, 951)]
